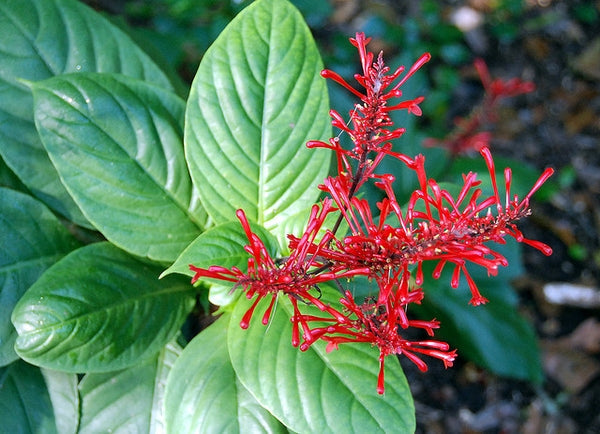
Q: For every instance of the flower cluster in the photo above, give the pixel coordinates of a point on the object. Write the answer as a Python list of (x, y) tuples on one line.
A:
[(388, 243)]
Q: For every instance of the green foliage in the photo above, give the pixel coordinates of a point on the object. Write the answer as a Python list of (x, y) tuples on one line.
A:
[(223, 395), (94, 139), (252, 106), (130, 400), (25, 405), (32, 239), (116, 144), (92, 311), (40, 39)]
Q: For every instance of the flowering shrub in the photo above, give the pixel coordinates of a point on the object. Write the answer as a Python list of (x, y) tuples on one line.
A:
[(446, 229), (110, 176)]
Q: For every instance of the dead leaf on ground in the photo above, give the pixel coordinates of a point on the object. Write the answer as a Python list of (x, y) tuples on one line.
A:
[(570, 368), (586, 337), (538, 421), (588, 62)]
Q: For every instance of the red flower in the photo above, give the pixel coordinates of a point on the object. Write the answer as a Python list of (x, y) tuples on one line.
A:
[(498, 88), (388, 246), (435, 227), (293, 276), (369, 125), (380, 325)]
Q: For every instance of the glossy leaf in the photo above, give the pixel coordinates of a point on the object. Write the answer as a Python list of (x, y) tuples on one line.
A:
[(25, 406), (316, 391), (62, 389), (117, 144), (203, 394), (221, 245), (495, 336), (166, 360), (127, 401), (32, 239), (256, 99), (98, 310), (40, 39)]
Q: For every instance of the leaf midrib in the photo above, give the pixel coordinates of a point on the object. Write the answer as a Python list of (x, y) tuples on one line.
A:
[(261, 207), (108, 307), (168, 193)]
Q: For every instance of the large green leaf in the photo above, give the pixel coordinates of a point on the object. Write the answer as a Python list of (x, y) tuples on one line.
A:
[(117, 144), (256, 99), (40, 39), (483, 333), (99, 310), (316, 391), (25, 406), (128, 401), (62, 388), (32, 239), (203, 394)]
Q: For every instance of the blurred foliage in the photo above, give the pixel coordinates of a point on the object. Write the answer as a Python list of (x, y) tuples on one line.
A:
[(178, 32), (182, 30)]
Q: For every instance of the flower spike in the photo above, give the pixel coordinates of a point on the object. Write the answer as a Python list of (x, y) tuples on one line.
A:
[(388, 242)]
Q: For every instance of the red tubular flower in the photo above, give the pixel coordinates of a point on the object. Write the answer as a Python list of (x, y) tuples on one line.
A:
[(498, 88), (292, 277), (380, 325), (513, 208), (391, 247), (370, 121), (435, 227)]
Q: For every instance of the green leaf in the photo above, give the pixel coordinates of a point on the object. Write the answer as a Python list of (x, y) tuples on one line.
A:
[(62, 388), (316, 391), (128, 401), (494, 335), (256, 99), (9, 179), (99, 310), (166, 360), (117, 144), (24, 403), (40, 39), (32, 239), (221, 245), (203, 394)]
